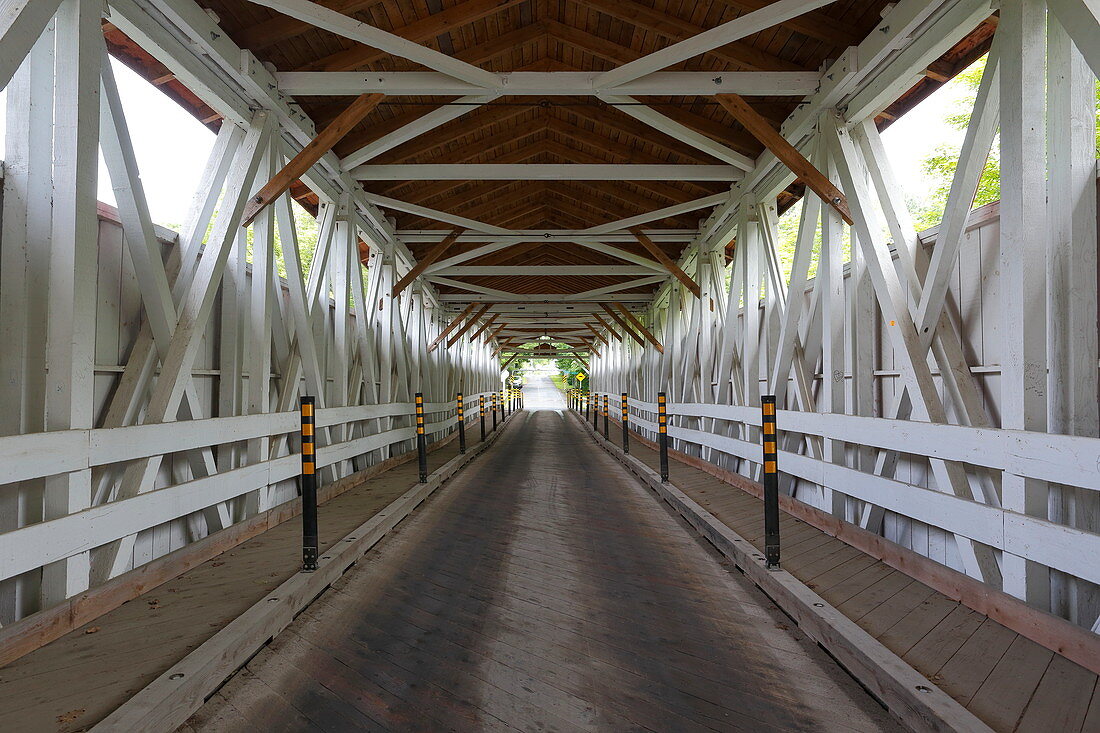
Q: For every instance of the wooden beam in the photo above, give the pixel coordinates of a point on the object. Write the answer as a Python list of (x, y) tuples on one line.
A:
[(424, 262), (507, 342), (466, 326), (622, 324), (511, 358), (489, 337), (310, 154), (607, 325), (589, 345), (666, 261), (488, 322), (450, 327), (596, 334), (774, 141), (638, 325)]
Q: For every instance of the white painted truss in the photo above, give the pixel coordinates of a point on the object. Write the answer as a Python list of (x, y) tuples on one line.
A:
[(152, 378), (938, 388)]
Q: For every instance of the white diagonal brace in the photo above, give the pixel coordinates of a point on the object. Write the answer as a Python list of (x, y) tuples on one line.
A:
[(730, 31), (342, 25), (679, 131), (674, 210), (419, 126), (429, 213), (21, 23)]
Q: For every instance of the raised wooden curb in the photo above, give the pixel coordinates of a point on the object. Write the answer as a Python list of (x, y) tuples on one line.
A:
[(35, 631), (168, 701), (915, 701)]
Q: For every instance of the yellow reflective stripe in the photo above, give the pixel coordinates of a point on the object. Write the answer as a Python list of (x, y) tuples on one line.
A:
[(769, 408), (769, 466), (307, 428), (307, 410), (769, 428), (307, 449)]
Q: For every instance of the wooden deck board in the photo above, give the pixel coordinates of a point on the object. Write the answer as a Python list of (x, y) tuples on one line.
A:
[(959, 649), (137, 641), (545, 589)]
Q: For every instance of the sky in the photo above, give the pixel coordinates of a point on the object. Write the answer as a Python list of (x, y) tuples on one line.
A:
[(172, 146)]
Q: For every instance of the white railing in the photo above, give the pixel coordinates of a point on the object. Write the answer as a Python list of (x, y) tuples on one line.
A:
[(42, 455), (1063, 459)]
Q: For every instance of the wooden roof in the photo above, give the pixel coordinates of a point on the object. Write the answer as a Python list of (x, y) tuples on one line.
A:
[(545, 35)]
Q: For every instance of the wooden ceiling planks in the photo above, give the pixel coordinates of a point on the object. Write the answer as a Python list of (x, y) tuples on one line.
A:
[(556, 35)]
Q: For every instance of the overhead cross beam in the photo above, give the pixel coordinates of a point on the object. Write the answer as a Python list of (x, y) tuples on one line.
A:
[(788, 154), (666, 261), (424, 262), (544, 172), (310, 154), (547, 84)]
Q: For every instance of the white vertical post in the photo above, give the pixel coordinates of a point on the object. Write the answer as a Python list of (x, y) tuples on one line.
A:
[(70, 329), (24, 267), (1023, 265), (1072, 266)]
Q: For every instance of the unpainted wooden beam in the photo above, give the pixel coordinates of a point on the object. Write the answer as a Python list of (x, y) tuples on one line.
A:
[(426, 261), (607, 325), (622, 324), (597, 334), (450, 327), (638, 325), (488, 322), (310, 154), (787, 154), (466, 326), (666, 261)]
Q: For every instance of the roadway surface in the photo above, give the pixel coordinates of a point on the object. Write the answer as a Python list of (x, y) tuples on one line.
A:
[(543, 589)]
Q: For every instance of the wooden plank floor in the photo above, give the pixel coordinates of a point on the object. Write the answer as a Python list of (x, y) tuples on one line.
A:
[(1008, 681), (75, 681), (544, 589)]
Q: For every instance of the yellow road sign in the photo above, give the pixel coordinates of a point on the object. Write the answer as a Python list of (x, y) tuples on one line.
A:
[(581, 377)]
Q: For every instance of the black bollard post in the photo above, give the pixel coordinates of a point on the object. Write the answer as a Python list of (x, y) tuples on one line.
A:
[(771, 483), (584, 398), (481, 401), (309, 488), (626, 429), (662, 430), (494, 411), (461, 426), (596, 413), (421, 439), (606, 435)]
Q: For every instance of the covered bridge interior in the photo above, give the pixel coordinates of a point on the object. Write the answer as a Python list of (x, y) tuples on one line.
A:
[(271, 473)]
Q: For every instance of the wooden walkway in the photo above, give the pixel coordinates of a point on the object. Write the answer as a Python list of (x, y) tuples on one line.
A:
[(75, 681), (544, 589), (1008, 681)]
